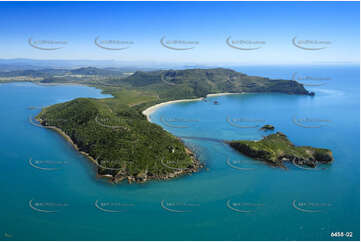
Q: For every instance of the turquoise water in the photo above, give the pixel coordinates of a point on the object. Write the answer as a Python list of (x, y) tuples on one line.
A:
[(235, 198)]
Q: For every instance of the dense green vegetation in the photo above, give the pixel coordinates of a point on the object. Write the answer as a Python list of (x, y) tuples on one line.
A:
[(276, 148), (116, 133), (194, 83), (122, 141)]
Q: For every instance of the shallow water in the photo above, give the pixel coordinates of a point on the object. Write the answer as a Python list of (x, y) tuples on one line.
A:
[(235, 198)]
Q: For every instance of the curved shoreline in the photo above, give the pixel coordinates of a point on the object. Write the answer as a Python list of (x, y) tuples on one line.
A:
[(115, 178), (70, 141), (147, 112), (67, 138)]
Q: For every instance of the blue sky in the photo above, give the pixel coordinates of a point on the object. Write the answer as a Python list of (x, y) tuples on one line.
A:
[(273, 24)]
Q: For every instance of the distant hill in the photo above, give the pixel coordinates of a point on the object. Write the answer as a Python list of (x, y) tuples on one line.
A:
[(200, 82), (167, 84), (94, 71), (34, 72)]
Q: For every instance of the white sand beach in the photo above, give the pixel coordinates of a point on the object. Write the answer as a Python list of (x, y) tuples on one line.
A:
[(222, 94), (147, 112)]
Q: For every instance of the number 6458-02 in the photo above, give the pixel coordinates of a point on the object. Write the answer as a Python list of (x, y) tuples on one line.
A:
[(341, 234)]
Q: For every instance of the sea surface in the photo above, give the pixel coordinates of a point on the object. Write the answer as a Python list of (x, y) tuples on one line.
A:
[(51, 192)]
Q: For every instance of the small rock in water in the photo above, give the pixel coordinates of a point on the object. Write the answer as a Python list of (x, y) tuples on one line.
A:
[(267, 127)]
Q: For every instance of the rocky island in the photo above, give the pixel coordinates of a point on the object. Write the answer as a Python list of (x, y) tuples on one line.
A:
[(118, 138), (267, 127), (277, 149)]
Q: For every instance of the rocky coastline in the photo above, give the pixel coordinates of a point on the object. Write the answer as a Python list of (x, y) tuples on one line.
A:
[(276, 149), (123, 175)]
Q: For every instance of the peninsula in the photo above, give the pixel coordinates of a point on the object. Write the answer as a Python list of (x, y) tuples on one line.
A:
[(116, 135)]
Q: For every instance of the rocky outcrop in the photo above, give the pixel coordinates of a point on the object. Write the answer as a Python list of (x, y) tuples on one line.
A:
[(143, 177)]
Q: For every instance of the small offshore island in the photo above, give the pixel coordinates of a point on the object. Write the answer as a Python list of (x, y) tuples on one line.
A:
[(117, 136), (276, 149), (267, 127)]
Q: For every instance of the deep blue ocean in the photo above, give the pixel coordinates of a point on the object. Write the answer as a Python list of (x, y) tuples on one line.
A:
[(51, 192)]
